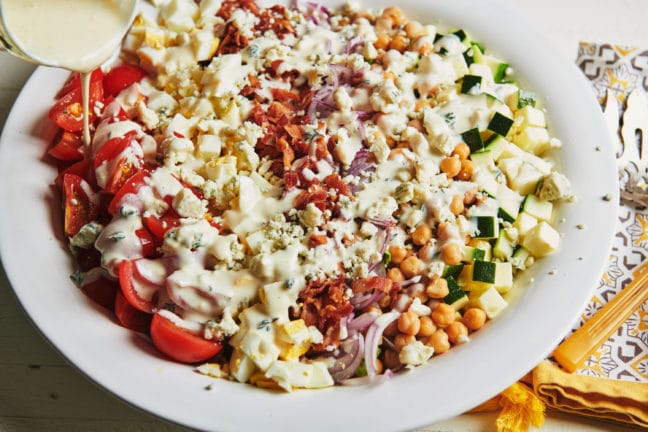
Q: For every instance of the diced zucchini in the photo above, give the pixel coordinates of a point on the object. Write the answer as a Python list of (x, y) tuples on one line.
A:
[(541, 240), (490, 300), (467, 282), (533, 139), (473, 138), (538, 208), (503, 277), (497, 66), (530, 116), (482, 157), (509, 203), (524, 223), (496, 144), (520, 258), (525, 98), (500, 124), (487, 227), (487, 181), (483, 271), (471, 253), (453, 271), (471, 84), (503, 248), (483, 245), (456, 297)]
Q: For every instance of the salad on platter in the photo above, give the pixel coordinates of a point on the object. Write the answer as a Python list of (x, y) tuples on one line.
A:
[(298, 197)]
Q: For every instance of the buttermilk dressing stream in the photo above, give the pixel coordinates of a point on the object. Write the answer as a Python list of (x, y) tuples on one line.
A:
[(78, 35)]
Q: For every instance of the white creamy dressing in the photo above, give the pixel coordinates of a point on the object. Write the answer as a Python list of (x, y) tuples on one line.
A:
[(78, 35)]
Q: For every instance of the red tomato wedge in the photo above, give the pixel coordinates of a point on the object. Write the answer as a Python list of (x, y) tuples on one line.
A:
[(81, 169), (67, 147), (102, 291), (149, 247), (81, 206), (159, 226), (67, 112), (139, 292), (122, 166), (130, 317), (179, 344), (131, 186), (74, 82), (121, 77)]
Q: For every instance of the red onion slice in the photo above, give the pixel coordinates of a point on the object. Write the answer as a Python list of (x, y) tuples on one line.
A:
[(374, 333), (346, 366)]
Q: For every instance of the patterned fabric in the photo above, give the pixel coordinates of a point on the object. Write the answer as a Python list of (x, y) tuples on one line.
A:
[(625, 355)]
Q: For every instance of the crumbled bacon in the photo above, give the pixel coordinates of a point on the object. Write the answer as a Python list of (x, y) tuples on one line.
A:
[(315, 240), (324, 304), (229, 6), (275, 19), (233, 41)]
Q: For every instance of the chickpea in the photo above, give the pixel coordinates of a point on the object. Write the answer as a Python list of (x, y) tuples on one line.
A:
[(395, 13), (451, 253), (422, 234), (442, 232), (408, 323), (443, 315), (470, 196), (398, 254), (457, 332), (474, 318), (399, 43), (439, 341), (437, 288), (427, 251), (390, 359), (382, 41), (451, 166), (411, 266), (402, 339), (457, 205), (384, 301), (433, 303), (462, 151), (417, 290), (467, 170), (395, 275), (414, 29), (384, 24), (427, 326)]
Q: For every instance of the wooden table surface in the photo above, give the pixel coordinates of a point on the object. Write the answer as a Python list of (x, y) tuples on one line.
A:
[(39, 391)]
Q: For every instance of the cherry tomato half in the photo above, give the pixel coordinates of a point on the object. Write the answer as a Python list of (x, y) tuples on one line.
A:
[(179, 343), (130, 317), (67, 112), (80, 208), (67, 147), (121, 77), (139, 292), (123, 167), (131, 186)]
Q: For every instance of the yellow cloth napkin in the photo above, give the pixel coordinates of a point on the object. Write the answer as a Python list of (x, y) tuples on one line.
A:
[(602, 398)]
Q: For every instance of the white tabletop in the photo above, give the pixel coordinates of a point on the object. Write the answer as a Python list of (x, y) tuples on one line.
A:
[(39, 391)]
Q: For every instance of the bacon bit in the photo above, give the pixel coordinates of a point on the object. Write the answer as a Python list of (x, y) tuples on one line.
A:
[(291, 180), (228, 7), (275, 19), (379, 283), (277, 110), (314, 194), (315, 240), (283, 95), (178, 134), (324, 305), (288, 153), (333, 181), (294, 131), (233, 41)]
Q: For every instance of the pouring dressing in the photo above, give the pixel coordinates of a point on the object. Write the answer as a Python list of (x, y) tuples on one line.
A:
[(35, 30)]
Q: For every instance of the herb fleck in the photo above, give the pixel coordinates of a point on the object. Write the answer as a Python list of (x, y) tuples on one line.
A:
[(266, 324), (77, 278), (116, 236)]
